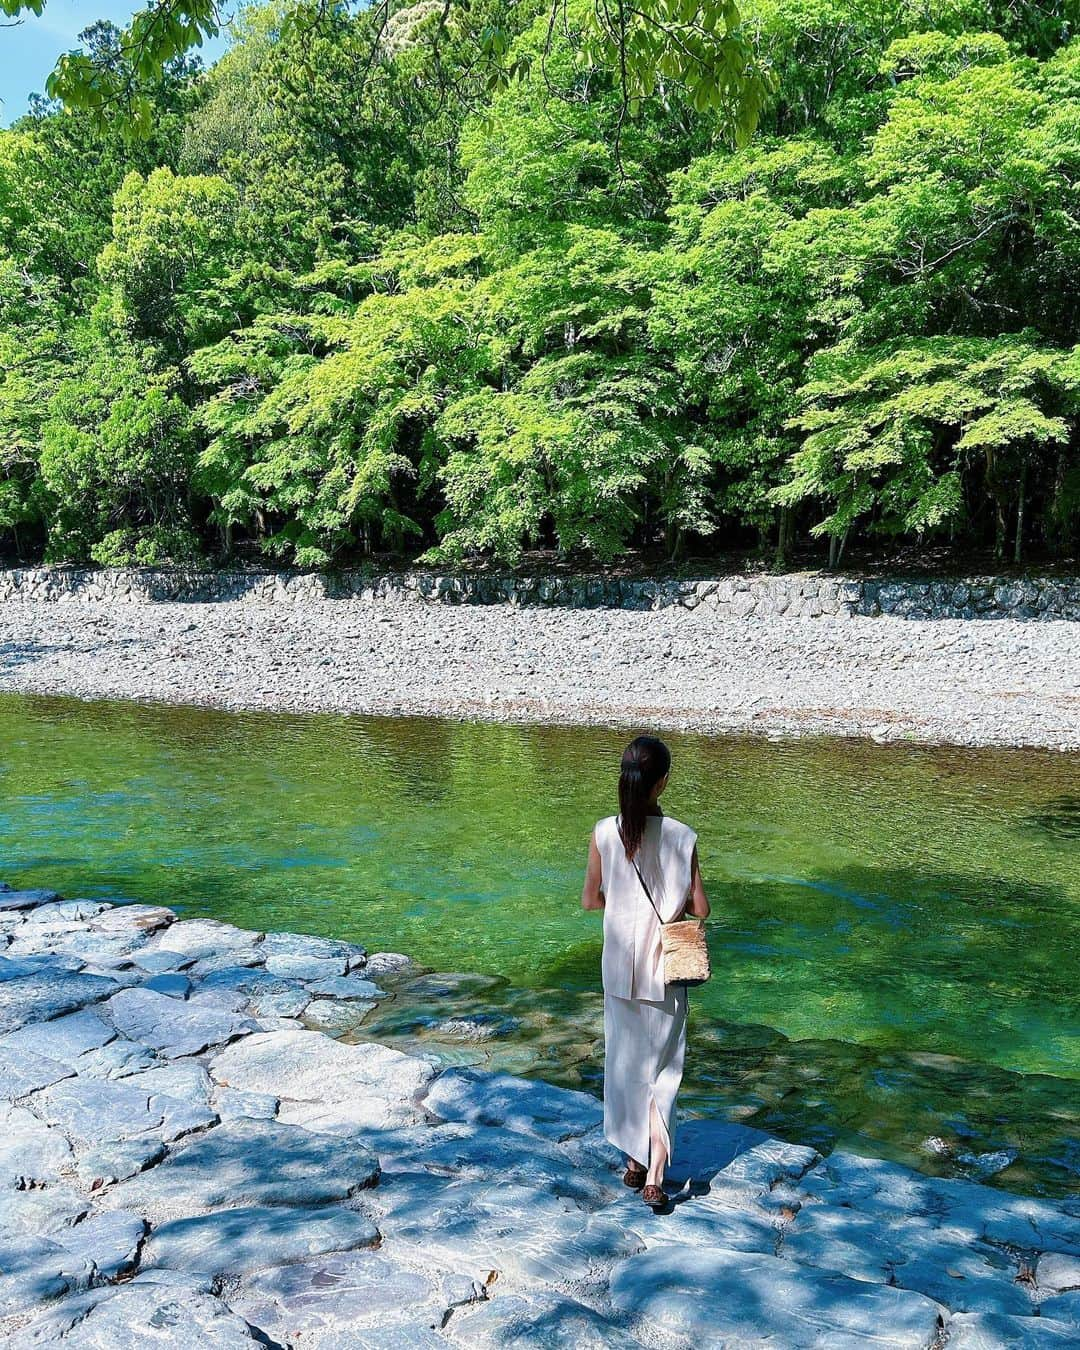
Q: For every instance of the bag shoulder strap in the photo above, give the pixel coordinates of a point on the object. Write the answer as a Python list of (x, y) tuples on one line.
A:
[(648, 893)]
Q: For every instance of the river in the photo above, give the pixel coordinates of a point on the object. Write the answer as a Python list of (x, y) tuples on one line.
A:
[(895, 932)]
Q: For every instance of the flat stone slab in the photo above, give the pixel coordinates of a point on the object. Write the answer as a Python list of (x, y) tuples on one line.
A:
[(141, 1313), (65, 1039), (32, 1153), (22, 1072), (479, 1152), (85, 1043), (692, 1222), (721, 1296), (237, 1241), (336, 1301), (872, 1185), (171, 1027), (527, 1235), (250, 1163), (705, 1147), (48, 992), (542, 1319), (92, 1112), (323, 1084), (307, 944), (170, 982), (140, 918), (307, 967), (157, 961), (1058, 1271), (1062, 1307), (17, 900), (206, 937), (521, 1104), (185, 1082), (913, 1252), (117, 1159), (233, 1105), (29, 1213), (34, 1270), (993, 1331)]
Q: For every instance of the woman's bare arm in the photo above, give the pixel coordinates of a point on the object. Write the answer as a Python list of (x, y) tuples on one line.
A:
[(698, 904), (591, 895)]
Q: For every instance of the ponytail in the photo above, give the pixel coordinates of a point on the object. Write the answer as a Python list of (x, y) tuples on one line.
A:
[(645, 761)]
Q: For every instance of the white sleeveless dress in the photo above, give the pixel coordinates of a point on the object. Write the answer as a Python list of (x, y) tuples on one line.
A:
[(644, 1019)]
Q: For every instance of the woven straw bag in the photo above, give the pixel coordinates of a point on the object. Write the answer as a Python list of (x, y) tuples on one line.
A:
[(682, 942), (686, 953)]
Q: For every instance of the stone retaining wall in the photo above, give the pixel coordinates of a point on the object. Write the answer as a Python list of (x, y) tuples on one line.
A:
[(794, 595)]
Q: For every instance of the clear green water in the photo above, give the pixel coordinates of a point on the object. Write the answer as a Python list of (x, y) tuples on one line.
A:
[(896, 933)]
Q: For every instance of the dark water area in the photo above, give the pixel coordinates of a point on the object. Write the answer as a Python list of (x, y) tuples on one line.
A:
[(895, 932)]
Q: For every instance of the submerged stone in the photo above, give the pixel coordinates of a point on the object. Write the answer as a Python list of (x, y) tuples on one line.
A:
[(346, 987)]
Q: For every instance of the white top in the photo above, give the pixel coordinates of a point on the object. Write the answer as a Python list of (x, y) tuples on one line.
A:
[(632, 963)]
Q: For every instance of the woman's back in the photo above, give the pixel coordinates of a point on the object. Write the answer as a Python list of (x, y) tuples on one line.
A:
[(632, 964)]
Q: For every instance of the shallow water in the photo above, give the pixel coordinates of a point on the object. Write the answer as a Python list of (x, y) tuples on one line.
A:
[(896, 932)]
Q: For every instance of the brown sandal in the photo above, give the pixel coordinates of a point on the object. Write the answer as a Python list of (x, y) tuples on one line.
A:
[(634, 1177), (654, 1197)]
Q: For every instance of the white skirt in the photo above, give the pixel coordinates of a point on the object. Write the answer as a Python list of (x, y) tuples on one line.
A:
[(644, 1048)]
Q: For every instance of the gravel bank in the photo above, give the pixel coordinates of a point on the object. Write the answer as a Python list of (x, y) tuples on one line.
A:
[(954, 681)]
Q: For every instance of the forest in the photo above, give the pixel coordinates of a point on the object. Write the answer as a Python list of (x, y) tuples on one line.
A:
[(348, 295)]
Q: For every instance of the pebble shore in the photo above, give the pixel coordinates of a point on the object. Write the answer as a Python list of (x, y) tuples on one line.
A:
[(958, 681), (186, 1161)]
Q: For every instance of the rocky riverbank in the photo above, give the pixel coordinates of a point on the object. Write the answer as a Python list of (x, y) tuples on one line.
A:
[(960, 681), (188, 1159)]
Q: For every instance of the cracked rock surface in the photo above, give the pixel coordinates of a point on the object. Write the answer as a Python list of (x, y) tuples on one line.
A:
[(187, 1165)]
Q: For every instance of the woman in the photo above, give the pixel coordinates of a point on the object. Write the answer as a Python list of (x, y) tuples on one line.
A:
[(638, 854)]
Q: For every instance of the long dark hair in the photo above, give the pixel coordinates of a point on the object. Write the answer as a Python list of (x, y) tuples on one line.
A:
[(644, 762)]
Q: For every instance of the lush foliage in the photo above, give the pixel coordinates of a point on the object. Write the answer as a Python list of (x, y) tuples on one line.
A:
[(355, 292)]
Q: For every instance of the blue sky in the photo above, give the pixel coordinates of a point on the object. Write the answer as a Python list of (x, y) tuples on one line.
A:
[(28, 52)]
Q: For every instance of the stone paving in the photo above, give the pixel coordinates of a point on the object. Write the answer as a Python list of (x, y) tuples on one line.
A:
[(186, 1162)]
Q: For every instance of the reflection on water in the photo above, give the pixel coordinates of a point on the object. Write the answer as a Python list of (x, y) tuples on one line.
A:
[(897, 930)]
